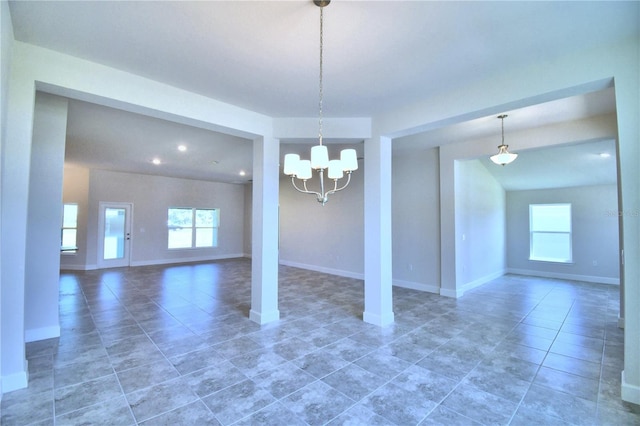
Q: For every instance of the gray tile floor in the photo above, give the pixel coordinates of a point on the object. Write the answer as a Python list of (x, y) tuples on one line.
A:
[(172, 345)]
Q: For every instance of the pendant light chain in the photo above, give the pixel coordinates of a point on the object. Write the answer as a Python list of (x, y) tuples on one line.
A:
[(502, 117), (320, 101)]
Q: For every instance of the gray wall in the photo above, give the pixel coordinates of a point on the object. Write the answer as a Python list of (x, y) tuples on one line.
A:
[(151, 196), (248, 210), (594, 229), (416, 219), (480, 225), (327, 238)]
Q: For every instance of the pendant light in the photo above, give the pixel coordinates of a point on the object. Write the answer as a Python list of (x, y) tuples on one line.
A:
[(503, 156), (335, 169)]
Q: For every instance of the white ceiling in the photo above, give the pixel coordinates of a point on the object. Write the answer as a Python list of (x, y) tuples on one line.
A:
[(562, 166), (263, 56), (106, 138), (575, 163)]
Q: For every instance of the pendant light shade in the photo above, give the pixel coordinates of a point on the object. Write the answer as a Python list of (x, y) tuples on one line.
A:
[(335, 169), (319, 157), (349, 160), (503, 156), (304, 170), (291, 164)]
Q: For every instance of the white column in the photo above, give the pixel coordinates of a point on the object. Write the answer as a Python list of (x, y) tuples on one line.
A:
[(628, 111), (14, 190), (378, 297), (264, 252), (44, 218)]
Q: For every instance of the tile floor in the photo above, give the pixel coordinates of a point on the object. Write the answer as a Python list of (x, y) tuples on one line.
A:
[(173, 345)]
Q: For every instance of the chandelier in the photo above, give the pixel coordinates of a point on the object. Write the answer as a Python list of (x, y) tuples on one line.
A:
[(503, 156), (335, 169)]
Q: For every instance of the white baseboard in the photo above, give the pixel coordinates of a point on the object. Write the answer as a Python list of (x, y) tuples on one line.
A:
[(67, 267), (429, 288), (459, 292), (331, 271), (160, 261), (78, 267), (629, 392), (185, 260), (482, 280), (562, 276), (264, 317), (451, 293), (43, 333), (379, 320), (15, 381)]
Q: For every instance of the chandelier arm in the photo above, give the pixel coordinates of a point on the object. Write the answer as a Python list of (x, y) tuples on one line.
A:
[(305, 190), (336, 189)]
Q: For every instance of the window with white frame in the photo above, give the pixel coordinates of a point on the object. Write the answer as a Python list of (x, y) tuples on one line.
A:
[(550, 232), (190, 227), (69, 233)]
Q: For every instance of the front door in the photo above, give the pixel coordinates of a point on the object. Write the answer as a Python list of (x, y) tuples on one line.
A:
[(114, 243)]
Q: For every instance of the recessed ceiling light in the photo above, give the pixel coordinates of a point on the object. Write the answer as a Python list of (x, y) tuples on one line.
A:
[(242, 173), (605, 155), (182, 148), (156, 161)]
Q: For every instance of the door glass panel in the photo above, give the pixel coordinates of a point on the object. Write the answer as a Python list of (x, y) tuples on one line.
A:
[(114, 233)]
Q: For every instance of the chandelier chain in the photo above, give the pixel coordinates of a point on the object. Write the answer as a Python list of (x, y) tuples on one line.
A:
[(320, 84)]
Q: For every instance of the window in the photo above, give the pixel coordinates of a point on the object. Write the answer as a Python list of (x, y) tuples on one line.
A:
[(69, 232), (193, 228), (550, 232)]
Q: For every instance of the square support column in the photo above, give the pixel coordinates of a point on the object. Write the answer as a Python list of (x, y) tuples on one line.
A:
[(628, 111), (14, 198), (378, 280), (44, 216), (264, 251)]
